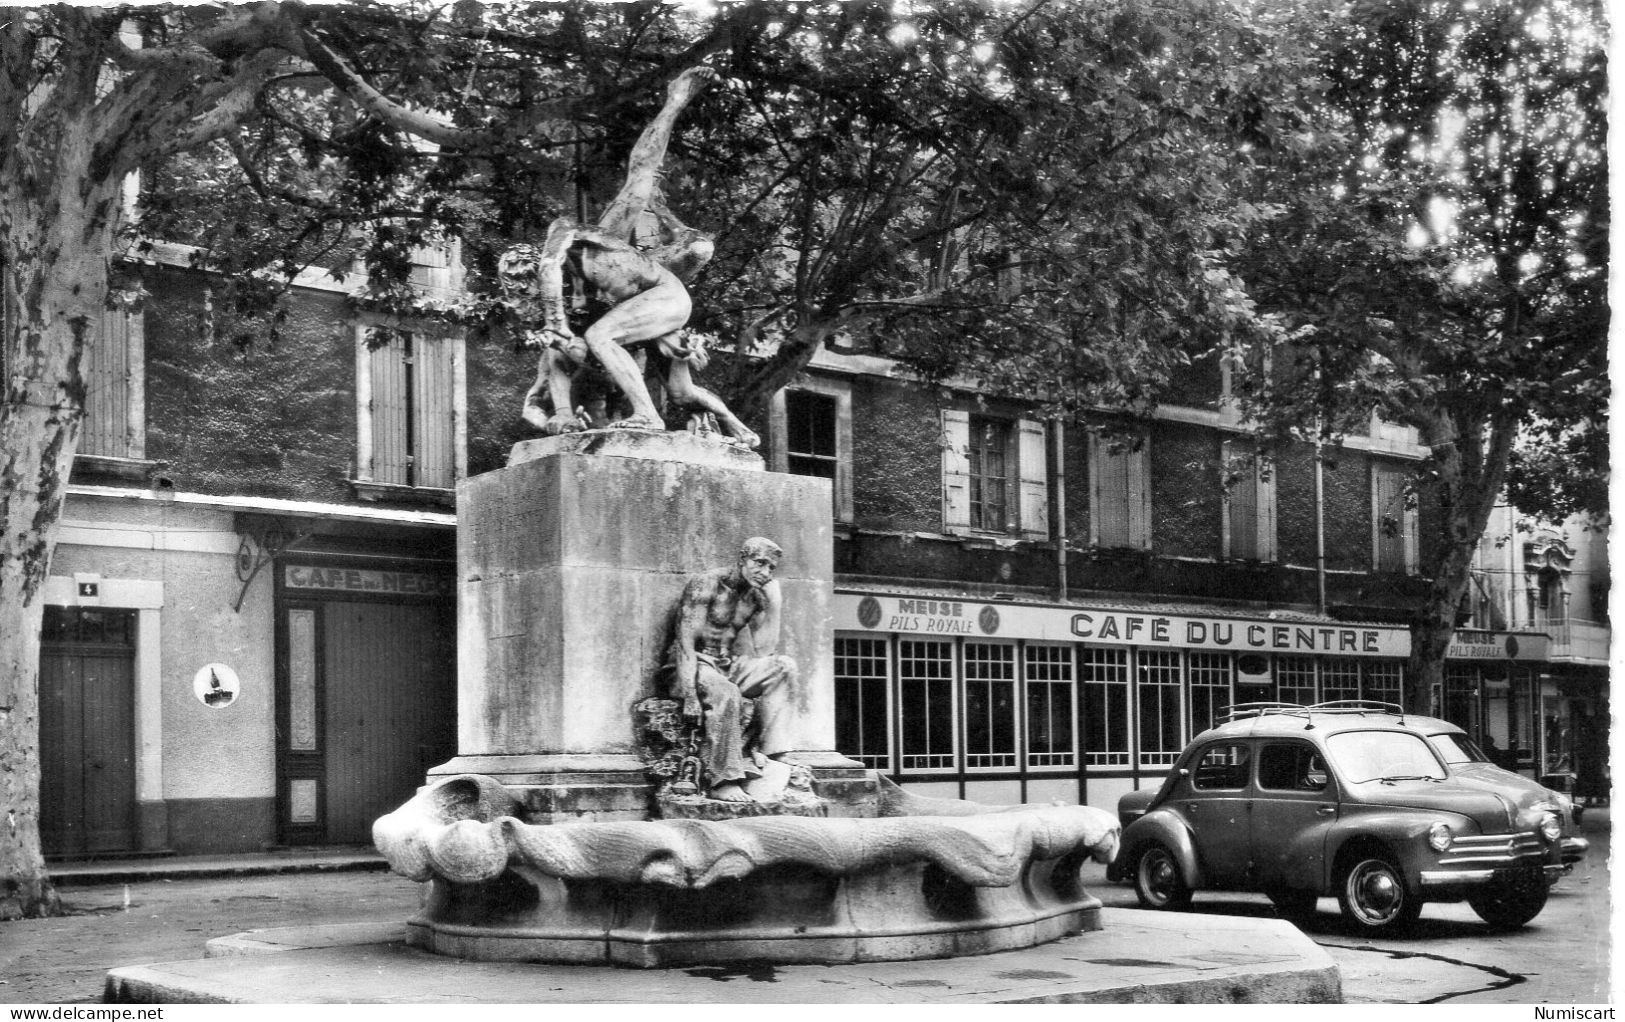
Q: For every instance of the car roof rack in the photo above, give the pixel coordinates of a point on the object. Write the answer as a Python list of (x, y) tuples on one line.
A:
[(1358, 706), (1242, 711)]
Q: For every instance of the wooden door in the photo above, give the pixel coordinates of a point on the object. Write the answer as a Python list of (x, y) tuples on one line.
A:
[(87, 732), (390, 702)]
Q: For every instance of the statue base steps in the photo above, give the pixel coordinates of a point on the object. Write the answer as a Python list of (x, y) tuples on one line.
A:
[(1139, 957)]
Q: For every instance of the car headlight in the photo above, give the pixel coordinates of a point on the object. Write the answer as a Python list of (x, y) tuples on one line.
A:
[(1439, 837), (1551, 828)]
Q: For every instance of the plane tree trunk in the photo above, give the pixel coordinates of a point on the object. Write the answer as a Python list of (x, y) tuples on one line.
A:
[(56, 232)]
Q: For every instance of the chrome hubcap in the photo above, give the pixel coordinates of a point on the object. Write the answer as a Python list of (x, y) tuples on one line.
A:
[(1377, 892)]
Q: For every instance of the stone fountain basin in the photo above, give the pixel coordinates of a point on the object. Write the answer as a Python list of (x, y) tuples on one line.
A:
[(663, 893)]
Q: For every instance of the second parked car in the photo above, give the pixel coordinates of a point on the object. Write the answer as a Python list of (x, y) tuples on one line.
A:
[(1381, 809)]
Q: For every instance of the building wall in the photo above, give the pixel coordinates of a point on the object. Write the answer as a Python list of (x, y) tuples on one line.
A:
[(1187, 497), (896, 458), (269, 417), (215, 766)]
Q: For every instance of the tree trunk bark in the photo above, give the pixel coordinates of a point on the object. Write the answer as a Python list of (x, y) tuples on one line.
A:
[(1471, 473), (57, 215)]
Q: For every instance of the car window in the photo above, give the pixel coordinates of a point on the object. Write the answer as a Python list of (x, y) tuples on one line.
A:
[(1454, 748), (1291, 766), (1361, 756), (1222, 767)]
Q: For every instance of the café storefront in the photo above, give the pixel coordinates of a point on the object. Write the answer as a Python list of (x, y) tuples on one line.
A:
[(1003, 702)]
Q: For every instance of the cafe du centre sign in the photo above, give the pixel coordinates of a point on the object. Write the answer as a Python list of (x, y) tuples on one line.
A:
[(947, 617)]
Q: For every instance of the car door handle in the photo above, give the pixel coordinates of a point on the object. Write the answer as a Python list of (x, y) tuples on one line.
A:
[(1326, 810), (1190, 807)]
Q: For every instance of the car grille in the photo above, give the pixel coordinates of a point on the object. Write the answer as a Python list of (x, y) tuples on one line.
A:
[(1489, 851)]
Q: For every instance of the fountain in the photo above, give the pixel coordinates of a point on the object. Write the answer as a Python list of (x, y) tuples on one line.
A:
[(549, 839)]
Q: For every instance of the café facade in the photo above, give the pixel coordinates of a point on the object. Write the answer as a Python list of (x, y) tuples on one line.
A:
[(1004, 701)]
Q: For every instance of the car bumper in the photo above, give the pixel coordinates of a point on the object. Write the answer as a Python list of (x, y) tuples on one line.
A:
[(1439, 879), (1574, 849)]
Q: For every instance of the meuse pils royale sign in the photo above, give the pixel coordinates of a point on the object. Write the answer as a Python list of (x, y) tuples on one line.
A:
[(1113, 627)]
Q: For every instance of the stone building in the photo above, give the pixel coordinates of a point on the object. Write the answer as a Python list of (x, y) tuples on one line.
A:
[(249, 632)]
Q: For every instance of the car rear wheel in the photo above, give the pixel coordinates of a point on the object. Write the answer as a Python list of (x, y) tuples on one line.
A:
[(1157, 881), (1292, 903), (1508, 907), (1373, 895)]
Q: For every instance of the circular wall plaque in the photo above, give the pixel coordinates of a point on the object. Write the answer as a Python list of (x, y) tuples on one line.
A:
[(216, 685)]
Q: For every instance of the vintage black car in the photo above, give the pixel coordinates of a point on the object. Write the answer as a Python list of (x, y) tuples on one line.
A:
[(1353, 799)]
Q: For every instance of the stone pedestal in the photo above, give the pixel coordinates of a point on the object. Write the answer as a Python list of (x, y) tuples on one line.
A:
[(570, 564)]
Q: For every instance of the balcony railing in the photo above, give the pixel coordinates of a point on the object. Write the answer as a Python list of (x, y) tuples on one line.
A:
[(1577, 640)]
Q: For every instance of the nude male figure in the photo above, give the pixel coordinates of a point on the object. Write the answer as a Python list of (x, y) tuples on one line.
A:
[(643, 288), (724, 653)]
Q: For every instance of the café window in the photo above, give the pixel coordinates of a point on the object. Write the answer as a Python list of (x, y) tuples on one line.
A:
[(1339, 679), (862, 700), (1051, 695), (925, 683), (1161, 729), (990, 706), (1104, 673), (1211, 676), (1295, 679)]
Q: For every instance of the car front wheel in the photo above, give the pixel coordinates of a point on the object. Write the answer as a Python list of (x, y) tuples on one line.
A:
[(1509, 907), (1157, 882), (1374, 898)]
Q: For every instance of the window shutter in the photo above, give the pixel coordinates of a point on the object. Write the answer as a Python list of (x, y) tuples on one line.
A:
[(1392, 524), (955, 471), (434, 426), (1033, 498), (105, 368), (1139, 495), (1265, 473), (437, 267), (1240, 501), (1108, 496), (387, 371), (1412, 533)]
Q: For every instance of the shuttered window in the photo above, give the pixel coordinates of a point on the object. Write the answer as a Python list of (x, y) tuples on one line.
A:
[(1394, 525), (809, 432), (111, 367), (1119, 494), (1249, 504), (411, 409), (995, 476)]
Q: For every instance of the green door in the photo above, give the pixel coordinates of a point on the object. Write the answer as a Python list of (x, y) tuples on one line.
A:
[(390, 695), (87, 731)]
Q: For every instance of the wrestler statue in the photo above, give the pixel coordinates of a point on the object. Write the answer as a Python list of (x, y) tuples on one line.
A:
[(724, 653), (636, 293)]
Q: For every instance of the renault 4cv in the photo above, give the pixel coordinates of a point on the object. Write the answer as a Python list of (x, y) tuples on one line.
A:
[(1351, 799)]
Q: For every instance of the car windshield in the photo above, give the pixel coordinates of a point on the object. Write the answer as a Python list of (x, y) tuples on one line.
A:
[(1453, 749), (1361, 756)]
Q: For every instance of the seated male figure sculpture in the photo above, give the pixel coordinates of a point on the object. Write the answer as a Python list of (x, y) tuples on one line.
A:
[(724, 653)]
